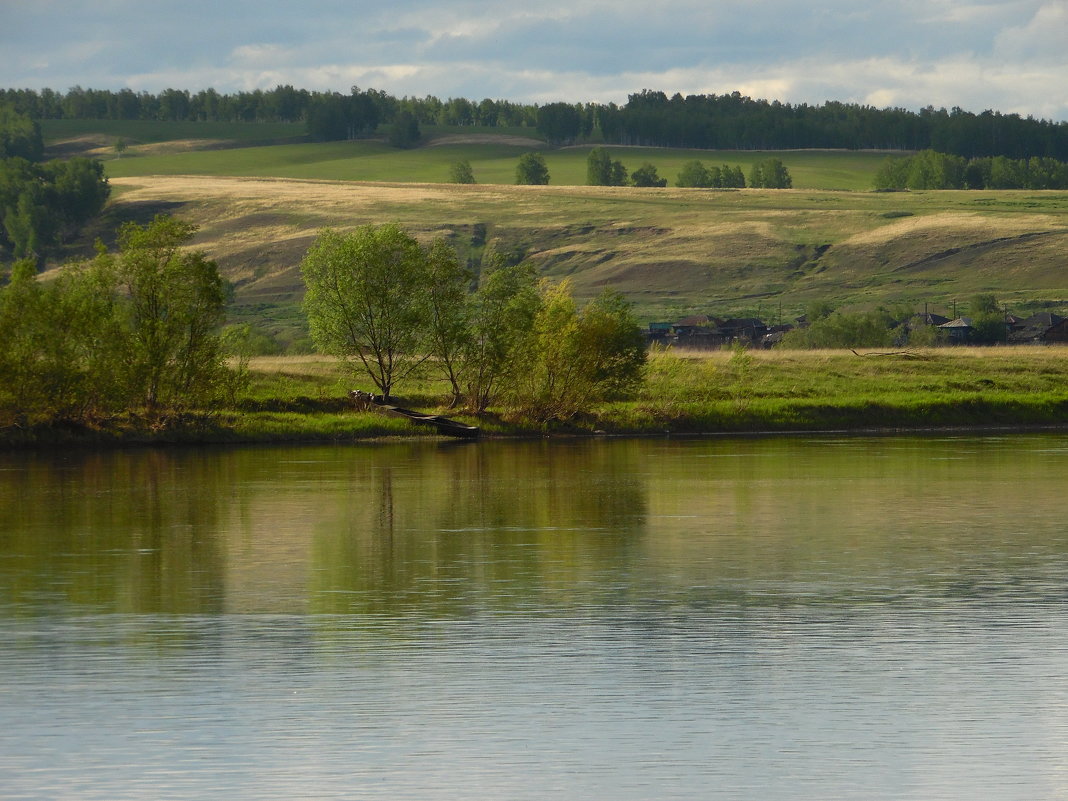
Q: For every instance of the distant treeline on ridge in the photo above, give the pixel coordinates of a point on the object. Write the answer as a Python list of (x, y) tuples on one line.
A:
[(650, 118)]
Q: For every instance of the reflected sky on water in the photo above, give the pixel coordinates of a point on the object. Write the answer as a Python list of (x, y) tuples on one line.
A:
[(745, 619)]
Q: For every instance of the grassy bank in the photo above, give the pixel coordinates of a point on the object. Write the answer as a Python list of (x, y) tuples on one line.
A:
[(305, 399)]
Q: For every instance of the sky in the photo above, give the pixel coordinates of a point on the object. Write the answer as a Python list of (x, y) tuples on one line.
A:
[(1009, 56)]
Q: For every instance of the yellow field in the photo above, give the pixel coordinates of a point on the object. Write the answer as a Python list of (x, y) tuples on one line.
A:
[(672, 251)]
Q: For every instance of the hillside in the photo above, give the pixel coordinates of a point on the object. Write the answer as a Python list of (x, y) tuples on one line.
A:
[(672, 251)]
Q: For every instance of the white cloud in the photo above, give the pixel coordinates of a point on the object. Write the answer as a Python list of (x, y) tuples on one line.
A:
[(978, 54)]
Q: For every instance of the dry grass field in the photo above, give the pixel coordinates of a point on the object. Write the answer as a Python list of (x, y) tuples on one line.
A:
[(671, 251)]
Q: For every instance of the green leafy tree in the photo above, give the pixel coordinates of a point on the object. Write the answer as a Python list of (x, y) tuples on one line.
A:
[(560, 123), (79, 191), (366, 300), (449, 313), (175, 301), (646, 175), (65, 352), (731, 177), (501, 319), (846, 330), (988, 320), (532, 169), (893, 173), (405, 133), (461, 173), (602, 170), (694, 174), (20, 136), (770, 173), (575, 358)]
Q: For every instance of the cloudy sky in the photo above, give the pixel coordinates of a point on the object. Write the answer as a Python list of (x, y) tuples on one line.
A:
[(1010, 56)]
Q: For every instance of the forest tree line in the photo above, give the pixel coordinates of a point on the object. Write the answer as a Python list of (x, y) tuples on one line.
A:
[(650, 118)]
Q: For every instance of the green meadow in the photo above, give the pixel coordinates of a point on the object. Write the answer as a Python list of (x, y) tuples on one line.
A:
[(492, 153), (673, 252)]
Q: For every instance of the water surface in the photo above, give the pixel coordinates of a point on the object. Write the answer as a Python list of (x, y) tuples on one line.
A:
[(738, 619)]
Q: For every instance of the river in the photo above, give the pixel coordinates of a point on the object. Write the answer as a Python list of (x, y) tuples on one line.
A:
[(780, 618)]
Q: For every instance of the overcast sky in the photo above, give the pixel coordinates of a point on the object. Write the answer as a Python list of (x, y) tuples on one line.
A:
[(1010, 56)]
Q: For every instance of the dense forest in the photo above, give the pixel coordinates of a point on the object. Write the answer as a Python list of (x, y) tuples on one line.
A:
[(42, 202), (650, 118)]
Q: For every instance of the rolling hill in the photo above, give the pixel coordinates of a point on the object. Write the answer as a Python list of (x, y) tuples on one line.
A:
[(672, 251)]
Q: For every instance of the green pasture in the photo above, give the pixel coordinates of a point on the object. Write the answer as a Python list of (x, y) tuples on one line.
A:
[(371, 160)]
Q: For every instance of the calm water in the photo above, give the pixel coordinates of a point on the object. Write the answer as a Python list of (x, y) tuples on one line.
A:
[(737, 619)]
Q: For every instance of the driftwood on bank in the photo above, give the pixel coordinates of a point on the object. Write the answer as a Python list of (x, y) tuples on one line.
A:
[(366, 401), (908, 354)]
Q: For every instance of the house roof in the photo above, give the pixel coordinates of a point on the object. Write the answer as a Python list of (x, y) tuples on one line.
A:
[(1042, 320), (694, 320), (960, 322)]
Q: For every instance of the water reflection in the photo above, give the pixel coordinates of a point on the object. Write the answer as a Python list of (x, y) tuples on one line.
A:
[(451, 530), (735, 619)]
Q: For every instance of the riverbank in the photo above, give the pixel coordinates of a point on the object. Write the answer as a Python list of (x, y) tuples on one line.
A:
[(293, 399)]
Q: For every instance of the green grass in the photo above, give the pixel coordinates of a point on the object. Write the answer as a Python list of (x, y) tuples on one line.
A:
[(368, 160), (306, 399)]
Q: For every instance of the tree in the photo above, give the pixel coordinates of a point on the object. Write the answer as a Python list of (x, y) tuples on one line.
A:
[(601, 170), (20, 136), (532, 169), (770, 173), (449, 317), (574, 358), (404, 132), (63, 355), (988, 320), (646, 175), (560, 123), (461, 173), (366, 300), (174, 301), (501, 318), (694, 174)]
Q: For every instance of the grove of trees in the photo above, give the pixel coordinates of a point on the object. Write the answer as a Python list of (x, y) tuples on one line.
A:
[(133, 331), (694, 174), (930, 169), (392, 309)]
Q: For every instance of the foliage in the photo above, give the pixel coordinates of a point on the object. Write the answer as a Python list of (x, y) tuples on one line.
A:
[(501, 317), (873, 329), (20, 136), (532, 170), (930, 169), (332, 116), (649, 118), (696, 174), (560, 123), (770, 173), (404, 132), (646, 176), (366, 300), (175, 301), (573, 359), (449, 323), (125, 331), (41, 204), (460, 172), (602, 170)]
